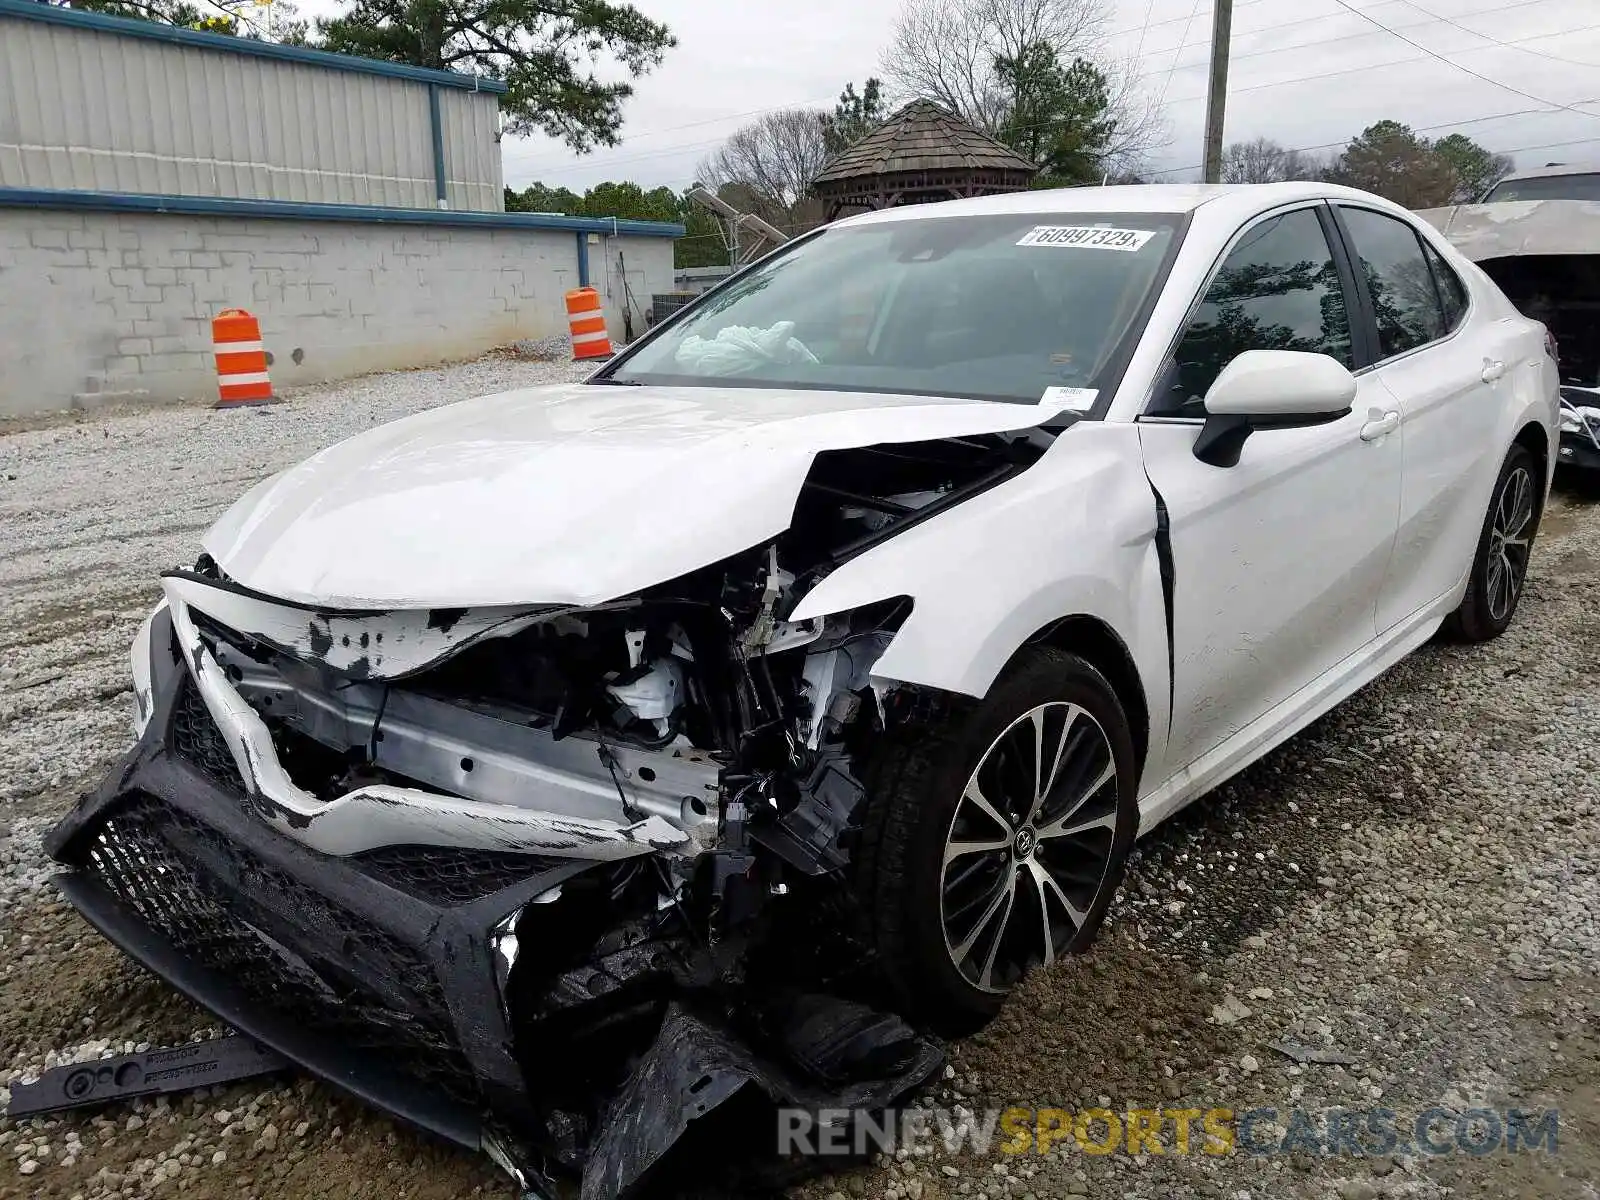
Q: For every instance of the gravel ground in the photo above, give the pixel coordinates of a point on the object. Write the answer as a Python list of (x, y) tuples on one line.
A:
[(1413, 883)]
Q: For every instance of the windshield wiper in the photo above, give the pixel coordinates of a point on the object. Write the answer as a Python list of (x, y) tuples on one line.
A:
[(610, 382)]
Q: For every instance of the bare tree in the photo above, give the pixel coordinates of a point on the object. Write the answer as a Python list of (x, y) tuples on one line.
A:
[(946, 50), (1265, 161), (950, 51), (771, 162)]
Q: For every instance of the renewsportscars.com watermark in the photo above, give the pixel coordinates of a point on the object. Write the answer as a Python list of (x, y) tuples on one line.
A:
[(1333, 1132)]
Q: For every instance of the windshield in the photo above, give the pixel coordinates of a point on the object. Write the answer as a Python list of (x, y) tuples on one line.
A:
[(991, 307), (1547, 187)]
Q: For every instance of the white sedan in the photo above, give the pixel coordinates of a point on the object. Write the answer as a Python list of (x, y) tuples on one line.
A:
[(879, 598)]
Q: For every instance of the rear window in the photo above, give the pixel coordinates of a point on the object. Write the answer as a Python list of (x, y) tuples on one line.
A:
[(1547, 187)]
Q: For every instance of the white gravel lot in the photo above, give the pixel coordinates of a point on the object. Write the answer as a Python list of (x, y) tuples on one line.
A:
[(1414, 883)]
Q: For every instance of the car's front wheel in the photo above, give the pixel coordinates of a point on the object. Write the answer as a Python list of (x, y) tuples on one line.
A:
[(1500, 566), (994, 842)]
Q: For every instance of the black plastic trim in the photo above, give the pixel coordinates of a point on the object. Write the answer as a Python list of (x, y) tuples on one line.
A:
[(1364, 347), (1577, 453), (1223, 436), (1169, 584), (362, 1076)]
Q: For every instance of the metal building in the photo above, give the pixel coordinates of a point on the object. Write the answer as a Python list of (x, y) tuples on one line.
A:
[(96, 103)]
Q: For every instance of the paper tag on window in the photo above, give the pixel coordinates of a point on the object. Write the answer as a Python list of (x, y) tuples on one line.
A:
[(1087, 237), (1066, 399)]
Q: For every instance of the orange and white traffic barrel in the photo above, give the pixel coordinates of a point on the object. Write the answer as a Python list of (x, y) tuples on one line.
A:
[(241, 360), (587, 321)]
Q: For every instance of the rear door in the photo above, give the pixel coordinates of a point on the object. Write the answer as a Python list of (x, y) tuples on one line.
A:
[(1277, 560), (1446, 374)]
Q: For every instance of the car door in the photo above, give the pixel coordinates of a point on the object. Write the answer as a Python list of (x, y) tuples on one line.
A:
[(1447, 376), (1276, 561)]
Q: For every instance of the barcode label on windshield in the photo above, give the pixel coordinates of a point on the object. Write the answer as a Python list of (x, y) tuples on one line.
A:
[(1087, 237)]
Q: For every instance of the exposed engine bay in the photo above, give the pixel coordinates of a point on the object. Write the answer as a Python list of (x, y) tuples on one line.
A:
[(660, 792)]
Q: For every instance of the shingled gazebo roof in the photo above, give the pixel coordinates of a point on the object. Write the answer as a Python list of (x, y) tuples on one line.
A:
[(921, 153)]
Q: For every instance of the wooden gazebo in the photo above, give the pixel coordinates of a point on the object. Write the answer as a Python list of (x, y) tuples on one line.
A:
[(922, 153)]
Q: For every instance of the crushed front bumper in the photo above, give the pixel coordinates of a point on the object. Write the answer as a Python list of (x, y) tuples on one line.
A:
[(389, 972), (375, 971)]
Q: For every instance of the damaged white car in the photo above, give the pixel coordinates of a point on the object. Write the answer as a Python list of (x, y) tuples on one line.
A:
[(547, 768)]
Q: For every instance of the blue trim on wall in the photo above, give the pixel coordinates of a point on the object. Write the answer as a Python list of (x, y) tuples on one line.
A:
[(583, 258), (294, 210), (32, 10), (436, 121)]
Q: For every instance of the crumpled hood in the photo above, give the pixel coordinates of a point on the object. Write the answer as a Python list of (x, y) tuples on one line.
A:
[(1519, 227), (572, 494)]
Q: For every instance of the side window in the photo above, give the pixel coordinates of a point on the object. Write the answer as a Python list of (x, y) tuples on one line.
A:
[(1452, 292), (1404, 300), (1277, 290)]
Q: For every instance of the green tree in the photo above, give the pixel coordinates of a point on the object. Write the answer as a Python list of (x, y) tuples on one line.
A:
[(1391, 160), (701, 244), (970, 56), (1060, 118), (854, 116), (630, 202), (1476, 169), (548, 53), (537, 198)]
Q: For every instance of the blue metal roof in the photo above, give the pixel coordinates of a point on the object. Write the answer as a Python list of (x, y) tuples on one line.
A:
[(36, 10), (212, 206)]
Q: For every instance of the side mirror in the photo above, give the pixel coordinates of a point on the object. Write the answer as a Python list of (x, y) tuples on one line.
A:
[(1271, 389)]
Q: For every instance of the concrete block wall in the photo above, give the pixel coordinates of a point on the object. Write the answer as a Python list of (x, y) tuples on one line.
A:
[(115, 306)]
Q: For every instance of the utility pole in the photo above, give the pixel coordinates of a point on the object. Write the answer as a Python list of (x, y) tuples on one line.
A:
[(1217, 101)]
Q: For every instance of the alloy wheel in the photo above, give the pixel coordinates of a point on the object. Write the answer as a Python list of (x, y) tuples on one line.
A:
[(1509, 538), (1029, 845)]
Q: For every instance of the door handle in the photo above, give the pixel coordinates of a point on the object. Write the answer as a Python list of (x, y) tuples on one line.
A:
[(1493, 370), (1379, 424)]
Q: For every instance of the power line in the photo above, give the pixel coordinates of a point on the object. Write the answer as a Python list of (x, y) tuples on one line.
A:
[(1506, 87), (1183, 43), (1178, 20), (1418, 129), (1513, 45), (1144, 28), (1356, 37), (520, 154), (515, 157)]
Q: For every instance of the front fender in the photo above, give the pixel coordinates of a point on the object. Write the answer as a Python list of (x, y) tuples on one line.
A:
[(1073, 535)]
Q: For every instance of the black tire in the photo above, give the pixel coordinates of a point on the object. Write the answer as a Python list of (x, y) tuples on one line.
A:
[(1499, 571), (914, 793)]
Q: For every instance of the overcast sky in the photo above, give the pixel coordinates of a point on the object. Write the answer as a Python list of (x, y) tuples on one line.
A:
[(1305, 72)]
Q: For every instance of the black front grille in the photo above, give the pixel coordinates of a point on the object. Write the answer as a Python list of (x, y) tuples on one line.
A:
[(195, 735), (347, 980), (450, 876)]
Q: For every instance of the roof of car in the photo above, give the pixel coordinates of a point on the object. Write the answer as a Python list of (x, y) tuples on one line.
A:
[(1126, 198), (1552, 172)]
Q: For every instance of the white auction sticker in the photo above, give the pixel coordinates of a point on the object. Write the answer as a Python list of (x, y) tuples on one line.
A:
[(1087, 237), (1069, 399)]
